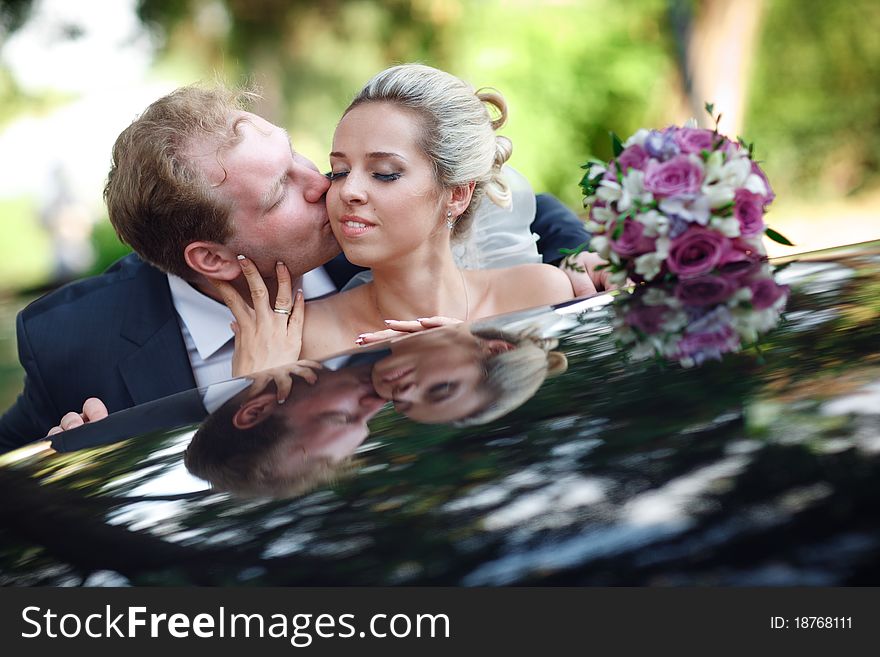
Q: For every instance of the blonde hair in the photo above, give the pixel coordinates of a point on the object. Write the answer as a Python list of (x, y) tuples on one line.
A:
[(157, 198), (458, 131), (513, 377)]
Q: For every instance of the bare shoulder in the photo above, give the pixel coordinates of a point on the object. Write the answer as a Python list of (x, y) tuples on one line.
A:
[(529, 285), (326, 328)]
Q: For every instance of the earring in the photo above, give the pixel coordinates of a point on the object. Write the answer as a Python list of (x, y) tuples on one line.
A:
[(450, 224)]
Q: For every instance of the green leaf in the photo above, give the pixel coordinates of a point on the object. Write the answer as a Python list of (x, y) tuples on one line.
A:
[(710, 108), (777, 237), (616, 144)]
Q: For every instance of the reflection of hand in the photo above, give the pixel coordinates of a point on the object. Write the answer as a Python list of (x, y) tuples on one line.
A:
[(93, 410), (264, 336), (283, 378), (397, 327), (590, 280)]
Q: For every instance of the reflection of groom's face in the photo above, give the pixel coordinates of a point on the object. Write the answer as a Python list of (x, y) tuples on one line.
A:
[(275, 195), (330, 417)]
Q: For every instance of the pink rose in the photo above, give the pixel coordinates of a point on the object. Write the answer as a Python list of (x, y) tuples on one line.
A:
[(678, 176), (695, 140), (632, 156), (696, 251), (647, 319), (631, 241), (705, 290), (748, 208), (766, 292)]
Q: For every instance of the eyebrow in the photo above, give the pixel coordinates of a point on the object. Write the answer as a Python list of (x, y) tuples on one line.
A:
[(377, 155), (268, 198)]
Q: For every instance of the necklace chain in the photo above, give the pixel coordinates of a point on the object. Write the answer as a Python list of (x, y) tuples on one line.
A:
[(467, 303)]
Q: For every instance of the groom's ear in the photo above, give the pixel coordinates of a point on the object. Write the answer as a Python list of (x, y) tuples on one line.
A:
[(256, 410), (212, 259), (460, 198)]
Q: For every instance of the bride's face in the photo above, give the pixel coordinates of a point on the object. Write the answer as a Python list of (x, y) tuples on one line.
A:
[(384, 201)]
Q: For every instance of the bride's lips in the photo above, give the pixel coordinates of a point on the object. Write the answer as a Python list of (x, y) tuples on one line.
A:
[(396, 374), (353, 226)]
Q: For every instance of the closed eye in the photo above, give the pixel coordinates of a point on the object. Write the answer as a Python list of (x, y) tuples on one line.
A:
[(280, 199), (335, 175), (442, 391), (386, 177)]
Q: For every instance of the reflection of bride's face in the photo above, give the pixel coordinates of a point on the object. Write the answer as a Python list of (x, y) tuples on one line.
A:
[(384, 201), (433, 380)]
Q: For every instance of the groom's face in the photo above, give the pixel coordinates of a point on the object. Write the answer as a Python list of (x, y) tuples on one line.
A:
[(276, 197)]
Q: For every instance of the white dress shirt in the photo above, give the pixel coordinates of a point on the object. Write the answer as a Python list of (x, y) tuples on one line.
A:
[(204, 325)]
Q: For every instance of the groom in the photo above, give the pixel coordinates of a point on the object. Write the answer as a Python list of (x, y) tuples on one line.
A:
[(188, 194)]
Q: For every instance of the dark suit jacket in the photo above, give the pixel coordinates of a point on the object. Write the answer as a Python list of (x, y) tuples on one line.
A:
[(116, 336)]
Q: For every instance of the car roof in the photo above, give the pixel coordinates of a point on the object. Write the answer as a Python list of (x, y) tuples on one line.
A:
[(635, 462)]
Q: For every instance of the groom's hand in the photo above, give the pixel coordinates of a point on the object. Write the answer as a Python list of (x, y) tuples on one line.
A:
[(590, 280), (93, 410)]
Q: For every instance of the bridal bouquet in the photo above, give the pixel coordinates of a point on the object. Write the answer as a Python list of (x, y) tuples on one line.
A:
[(677, 203), (694, 319)]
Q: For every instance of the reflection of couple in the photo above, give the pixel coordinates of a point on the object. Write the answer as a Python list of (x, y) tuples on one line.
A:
[(253, 444), (196, 181)]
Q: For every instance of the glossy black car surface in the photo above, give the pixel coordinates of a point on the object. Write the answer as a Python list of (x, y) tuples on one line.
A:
[(722, 465)]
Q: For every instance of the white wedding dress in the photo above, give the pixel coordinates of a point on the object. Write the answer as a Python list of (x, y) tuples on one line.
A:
[(499, 237)]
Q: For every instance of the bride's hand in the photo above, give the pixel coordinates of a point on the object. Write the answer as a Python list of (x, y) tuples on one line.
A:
[(397, 327), (264, 336)]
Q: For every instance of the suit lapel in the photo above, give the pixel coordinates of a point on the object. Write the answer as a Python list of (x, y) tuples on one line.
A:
[(159, 365)]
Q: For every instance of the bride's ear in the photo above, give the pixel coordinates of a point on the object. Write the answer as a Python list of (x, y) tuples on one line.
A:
[(460, 198), (212, 259)]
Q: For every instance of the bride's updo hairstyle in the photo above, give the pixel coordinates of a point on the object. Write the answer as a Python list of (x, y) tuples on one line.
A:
[(458, 130)]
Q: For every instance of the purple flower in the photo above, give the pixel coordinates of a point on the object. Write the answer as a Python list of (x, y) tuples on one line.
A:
[(632, 156), (696, 252), (677, 226), (704, 346), (694, 140), (748, 208), (741, 257), (631, 241), (661, 144), (647, 319), (766, 292), (676, 177), (704, 290)]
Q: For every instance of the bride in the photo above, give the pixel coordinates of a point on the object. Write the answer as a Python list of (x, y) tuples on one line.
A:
[(412, 156)]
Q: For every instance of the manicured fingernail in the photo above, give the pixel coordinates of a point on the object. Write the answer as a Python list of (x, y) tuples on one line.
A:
[(359, 341), (240, 257), (279, 263), (281, 401), (421, 319)]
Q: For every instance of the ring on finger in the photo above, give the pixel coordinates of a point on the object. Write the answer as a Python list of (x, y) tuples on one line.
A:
[(282, 311)]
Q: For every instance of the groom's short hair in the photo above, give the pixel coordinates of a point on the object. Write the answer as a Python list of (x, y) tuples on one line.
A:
[(157, 197)]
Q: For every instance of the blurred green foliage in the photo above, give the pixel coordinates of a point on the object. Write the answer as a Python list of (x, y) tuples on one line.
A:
[(814, 110)]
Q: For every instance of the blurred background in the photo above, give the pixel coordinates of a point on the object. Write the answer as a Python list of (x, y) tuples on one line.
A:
[(799, 78)]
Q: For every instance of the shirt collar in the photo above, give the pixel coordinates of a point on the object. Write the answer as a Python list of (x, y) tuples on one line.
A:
[(206, 320)]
